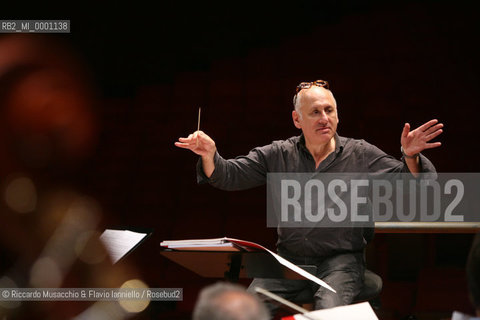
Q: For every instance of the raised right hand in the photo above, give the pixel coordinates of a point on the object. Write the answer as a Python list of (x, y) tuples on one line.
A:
[(200, 143)]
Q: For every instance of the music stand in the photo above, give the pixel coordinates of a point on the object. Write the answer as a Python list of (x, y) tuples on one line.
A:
[(233, 266)]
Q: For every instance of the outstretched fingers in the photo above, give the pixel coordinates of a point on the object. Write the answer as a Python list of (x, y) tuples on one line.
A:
[(424, 127), (432, 145), (419, 139), (183, 145), (431, 130), (434, 128), (434, 134), (188, 142)]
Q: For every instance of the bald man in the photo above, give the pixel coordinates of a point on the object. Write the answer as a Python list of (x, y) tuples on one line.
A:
[(225, 301), (337, 252)]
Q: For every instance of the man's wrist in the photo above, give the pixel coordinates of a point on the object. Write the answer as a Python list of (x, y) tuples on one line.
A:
[(414, 156), (209, 157)]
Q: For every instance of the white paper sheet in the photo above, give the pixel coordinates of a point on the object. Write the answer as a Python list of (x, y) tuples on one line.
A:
[(300, 271), (193, 242), (119, 242), (359, 311), (286, 263)]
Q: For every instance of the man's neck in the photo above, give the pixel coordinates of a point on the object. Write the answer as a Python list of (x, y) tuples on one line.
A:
[(320, 152)]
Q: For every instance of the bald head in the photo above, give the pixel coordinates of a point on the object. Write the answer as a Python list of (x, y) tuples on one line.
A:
[(224, 301), (306, 96)]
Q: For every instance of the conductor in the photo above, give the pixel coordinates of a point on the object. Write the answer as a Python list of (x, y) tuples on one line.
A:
[(337, 252)]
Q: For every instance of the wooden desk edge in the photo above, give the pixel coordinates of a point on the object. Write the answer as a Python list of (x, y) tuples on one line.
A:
[(427, 227)]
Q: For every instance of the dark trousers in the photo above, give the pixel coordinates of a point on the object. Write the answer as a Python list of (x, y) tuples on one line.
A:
[(343, 272)]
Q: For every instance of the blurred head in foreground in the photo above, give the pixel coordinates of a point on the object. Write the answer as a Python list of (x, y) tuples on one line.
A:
[(47, 122), (224, 301)]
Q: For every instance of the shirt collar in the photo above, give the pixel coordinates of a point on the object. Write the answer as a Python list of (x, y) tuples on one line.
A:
[(339, 143)]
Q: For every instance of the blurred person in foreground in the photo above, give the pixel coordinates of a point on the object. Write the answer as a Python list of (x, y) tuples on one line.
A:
[(473, 273), (49, 234), (336, 252), (473, 281), (225, 301)]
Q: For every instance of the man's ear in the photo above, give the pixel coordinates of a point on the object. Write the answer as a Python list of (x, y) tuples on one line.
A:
[(296, 119)]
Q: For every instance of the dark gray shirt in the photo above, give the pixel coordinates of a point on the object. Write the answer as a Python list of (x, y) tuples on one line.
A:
[(292, 155)]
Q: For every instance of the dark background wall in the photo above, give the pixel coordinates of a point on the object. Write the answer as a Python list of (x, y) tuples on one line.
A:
[(387, 62)]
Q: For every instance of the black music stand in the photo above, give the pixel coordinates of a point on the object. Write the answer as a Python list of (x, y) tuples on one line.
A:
[(233, 265)]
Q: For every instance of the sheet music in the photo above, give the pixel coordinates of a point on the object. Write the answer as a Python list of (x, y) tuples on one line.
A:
[(193, 242), (229, 247), (119, 242), (300, 271), (178, 244), (359, 311)]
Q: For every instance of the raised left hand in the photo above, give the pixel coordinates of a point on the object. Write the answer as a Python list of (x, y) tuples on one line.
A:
[(416, 141)]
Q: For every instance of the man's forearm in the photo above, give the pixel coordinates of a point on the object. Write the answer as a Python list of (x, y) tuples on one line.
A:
[(208, 165), (413, 165)]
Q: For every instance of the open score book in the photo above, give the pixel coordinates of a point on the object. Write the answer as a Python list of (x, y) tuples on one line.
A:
[(230, 244)]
